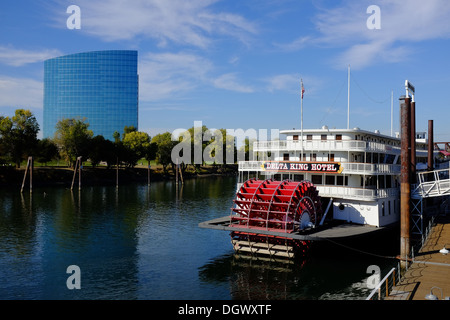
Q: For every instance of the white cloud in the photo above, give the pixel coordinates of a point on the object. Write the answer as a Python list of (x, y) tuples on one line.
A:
[(229, 81), (291, 83), (21, 92), (284, 82), (163, 75), (183, 22), (403, 23), (295, 45), (17, 57), (172, 75)]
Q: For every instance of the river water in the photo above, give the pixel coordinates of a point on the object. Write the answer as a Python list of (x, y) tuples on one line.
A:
[(140, 242)]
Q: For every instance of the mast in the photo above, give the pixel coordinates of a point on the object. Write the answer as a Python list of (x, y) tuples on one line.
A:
[(348, 100), (301, 112), (392, 113)]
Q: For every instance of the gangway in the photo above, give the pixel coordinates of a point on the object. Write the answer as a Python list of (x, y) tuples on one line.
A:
[(430, 184), (444, 150)]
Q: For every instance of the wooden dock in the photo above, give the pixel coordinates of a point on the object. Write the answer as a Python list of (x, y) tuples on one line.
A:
[(429, 269)]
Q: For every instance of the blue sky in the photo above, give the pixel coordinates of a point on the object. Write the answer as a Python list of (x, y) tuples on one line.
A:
[(238, 64)]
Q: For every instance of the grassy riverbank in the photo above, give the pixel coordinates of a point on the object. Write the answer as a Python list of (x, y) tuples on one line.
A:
[(58, 175)]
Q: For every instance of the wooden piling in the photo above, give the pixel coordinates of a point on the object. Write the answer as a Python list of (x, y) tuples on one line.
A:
[(77, 166), (430, 146), (405, 185), (117, 173), (30, 167), (413, 140)]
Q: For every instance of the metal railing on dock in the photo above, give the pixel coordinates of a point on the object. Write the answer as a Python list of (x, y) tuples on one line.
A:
[(394, 276), (385, 286)]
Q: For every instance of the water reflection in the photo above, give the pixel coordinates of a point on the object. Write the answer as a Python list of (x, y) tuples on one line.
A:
[(92, 228), (140, 242), (340, 275)]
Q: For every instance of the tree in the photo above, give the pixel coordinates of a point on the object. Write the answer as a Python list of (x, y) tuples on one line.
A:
[(116, 136), (137, 144), (96, 150), (247, 148), (128, 129), (46, 151), (164, 145), (18, 135), (73, 139)]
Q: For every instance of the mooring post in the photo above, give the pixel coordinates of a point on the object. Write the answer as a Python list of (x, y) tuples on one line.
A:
[(31, 173), (413, 140), (29, 166), (79, 173), (405, 186), (430, 146), (77, 165), (181, 174), (117, 173), (176, 174)]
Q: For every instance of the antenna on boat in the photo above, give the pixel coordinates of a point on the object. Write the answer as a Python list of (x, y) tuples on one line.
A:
[(301, 111), (392, 113), (348, 99)]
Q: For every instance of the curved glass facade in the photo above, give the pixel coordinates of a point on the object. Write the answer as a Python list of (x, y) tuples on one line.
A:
[(99, 86)]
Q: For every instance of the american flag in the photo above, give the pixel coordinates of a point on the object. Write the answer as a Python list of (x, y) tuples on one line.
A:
[(303, 88)]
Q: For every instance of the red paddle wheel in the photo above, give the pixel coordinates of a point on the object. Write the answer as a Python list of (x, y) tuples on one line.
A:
[(276, 207)]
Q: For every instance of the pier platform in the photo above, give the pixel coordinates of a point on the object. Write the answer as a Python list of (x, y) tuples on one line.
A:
[(329, 232), (429, 269)]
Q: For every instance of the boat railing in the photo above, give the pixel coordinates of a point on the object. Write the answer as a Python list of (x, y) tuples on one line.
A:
[(373, 168), (432, 184), (348, 167), (356, 193), (319, 145)]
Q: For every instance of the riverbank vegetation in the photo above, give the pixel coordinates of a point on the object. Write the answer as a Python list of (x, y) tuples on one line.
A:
[(131, 152)]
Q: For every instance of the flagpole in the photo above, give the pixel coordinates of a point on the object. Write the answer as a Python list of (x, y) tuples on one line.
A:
[(348, 99), (301, 111)]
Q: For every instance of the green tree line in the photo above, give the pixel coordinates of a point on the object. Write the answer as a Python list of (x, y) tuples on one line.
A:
[(73, 138)]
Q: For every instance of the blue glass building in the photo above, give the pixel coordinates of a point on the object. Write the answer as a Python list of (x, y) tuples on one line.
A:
[(99, 86)]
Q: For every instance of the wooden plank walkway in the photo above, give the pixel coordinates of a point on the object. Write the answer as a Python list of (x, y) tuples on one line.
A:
[(430, 267)]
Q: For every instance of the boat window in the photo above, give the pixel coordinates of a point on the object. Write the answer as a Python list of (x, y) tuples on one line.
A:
[(388, 181), (316, 179), (329, 179), (339, 137), (323, 137), (309, 137), (341, 180), (381, 182), (295, 137)]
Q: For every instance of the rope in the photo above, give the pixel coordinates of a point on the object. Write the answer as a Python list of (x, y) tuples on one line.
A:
[(366, 94), (330, 109), (361, 251)]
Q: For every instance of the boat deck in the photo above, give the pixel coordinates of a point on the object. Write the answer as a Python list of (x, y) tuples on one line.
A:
[(429, 269), (329, 232)]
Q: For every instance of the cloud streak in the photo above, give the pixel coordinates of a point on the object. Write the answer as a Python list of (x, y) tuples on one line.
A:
[(164, 75), (403, 23), (17, 57), (21, 92), (193, 23)]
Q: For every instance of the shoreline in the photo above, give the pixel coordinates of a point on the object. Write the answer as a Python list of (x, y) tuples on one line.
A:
[(62, 176)]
